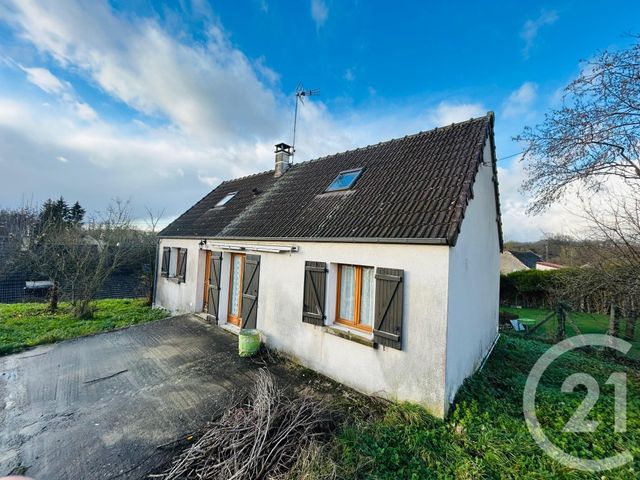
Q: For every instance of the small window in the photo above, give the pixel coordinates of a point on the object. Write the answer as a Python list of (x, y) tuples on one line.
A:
[(344, 180), (174, 263), (355, 297), (226, 199)]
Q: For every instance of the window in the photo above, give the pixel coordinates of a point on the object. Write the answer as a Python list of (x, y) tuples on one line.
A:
[(355, 297), (235, 289), (174, 263), (226, 199), (344, 180)]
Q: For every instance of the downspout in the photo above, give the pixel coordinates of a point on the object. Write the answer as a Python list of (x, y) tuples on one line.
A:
[(155, 272)]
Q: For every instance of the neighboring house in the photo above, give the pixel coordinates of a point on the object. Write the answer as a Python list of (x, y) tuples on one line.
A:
[(548, 266), (510, 263), (514, 261), (377, 267)]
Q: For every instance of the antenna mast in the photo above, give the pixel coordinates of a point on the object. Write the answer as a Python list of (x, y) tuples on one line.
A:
[(300, 94)]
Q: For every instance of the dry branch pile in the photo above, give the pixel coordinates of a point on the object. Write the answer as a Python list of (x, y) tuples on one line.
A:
[(260, 438)]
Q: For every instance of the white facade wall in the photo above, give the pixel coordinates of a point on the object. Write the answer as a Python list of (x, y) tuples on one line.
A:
[(474, 283), (415, 373), (183, 297)]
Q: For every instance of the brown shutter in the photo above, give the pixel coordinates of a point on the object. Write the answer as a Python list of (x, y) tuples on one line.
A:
[(250, 281), (213, 305), (387, 328), (166, 256), (315, 281), (182, 267)]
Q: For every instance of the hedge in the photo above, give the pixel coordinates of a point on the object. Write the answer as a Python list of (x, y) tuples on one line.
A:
[(534, 288)]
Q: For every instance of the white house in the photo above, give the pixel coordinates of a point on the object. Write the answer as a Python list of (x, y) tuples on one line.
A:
[(377, 267)]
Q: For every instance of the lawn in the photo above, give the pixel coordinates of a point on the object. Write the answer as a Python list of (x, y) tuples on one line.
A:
[(24, 325), (485, 436), (586, 322)]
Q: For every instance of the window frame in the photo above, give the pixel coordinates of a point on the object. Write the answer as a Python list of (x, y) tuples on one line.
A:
[(226, 199), (358, 172), (357, 300), (233, 319)]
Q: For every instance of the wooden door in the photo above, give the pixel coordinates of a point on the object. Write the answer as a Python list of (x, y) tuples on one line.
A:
[(234, 315), (250, 284)]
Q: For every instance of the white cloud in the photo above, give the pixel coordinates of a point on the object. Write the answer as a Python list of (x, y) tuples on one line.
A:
[(62, 159), (531, 27), (349, 75), (84, 111), (138, 63), (447, 113), (45, 80), (49, 83), (562, 217), (319, 12), (520, 101)]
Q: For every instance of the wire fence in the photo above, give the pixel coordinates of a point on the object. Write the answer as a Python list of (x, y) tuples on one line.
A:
[(20, 290)]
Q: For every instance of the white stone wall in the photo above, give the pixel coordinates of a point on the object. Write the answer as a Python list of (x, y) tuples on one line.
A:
[(474, 283)]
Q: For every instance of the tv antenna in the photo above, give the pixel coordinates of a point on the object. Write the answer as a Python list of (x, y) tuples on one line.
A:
[(301, 93)]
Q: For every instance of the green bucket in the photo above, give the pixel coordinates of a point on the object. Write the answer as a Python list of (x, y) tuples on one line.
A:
[(248, 342)]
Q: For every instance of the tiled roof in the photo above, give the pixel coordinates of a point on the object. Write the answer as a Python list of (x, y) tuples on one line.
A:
[(529, 259), (412, 189)]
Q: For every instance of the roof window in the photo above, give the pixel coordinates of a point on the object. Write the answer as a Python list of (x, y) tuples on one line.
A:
[(226, 199), (344, 180)]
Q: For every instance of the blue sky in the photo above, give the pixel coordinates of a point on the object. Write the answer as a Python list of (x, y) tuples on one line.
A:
[(158, 102)]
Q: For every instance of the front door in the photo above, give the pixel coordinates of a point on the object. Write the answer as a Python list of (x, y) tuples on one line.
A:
[(235, 289)]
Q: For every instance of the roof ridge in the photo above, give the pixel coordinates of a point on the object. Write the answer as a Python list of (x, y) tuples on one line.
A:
[(488, 116), (245, 177)]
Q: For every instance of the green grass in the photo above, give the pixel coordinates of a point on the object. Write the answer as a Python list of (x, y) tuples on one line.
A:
[(25, 325), (485, 436), (586, 322)]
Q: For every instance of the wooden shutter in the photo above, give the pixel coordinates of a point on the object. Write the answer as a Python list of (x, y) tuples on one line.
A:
[(213, 304), (250, 281), (182, 266), (166, 257), (315, 281), (387, 328)]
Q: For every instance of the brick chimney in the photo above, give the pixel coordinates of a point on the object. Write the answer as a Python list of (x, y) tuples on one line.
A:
[(283, 154)]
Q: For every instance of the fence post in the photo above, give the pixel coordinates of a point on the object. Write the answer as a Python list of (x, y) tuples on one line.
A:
[(630, 330), (560, 313), (614, 320)]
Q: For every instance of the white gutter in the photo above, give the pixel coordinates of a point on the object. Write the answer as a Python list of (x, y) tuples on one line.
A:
[(239, 247)]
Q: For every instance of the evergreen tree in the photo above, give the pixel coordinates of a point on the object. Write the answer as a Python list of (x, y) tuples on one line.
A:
[(76, 214)]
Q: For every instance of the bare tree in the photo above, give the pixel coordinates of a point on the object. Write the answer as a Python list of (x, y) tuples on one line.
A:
[(83, 257), (16, 226), (594, 136)]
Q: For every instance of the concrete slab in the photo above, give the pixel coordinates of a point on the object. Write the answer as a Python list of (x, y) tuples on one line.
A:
[(98, 407)]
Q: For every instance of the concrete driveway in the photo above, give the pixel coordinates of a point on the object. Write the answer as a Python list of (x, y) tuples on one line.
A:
[(99, 407)]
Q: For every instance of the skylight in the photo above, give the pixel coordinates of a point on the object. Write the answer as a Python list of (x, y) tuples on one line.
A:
[(344, 180), (226, 199)]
